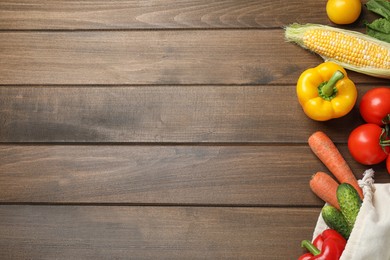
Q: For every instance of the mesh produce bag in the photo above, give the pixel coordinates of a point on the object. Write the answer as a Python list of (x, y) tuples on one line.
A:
[(370, 237)]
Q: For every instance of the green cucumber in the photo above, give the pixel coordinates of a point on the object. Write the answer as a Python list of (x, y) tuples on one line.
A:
[(334, 219), (349, 201)]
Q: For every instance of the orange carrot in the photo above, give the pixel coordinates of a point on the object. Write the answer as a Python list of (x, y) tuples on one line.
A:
[(325, 187), (327, 152)]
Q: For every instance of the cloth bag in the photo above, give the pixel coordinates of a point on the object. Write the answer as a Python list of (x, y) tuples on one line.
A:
[(370, 236)]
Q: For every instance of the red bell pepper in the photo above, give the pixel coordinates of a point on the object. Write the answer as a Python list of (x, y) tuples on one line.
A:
[(329, 245)]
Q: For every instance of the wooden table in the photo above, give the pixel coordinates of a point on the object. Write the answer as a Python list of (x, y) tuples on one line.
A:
[(158, 129)]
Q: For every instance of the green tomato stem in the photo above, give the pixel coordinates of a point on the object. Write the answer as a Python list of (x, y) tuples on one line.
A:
[(386, 119), (383, 139)]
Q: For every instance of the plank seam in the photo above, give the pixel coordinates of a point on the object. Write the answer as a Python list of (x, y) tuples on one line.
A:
[(144, 29), (105, 204)]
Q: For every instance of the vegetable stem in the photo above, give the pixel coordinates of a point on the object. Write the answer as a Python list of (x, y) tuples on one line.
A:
[(328, 90), (383, 139), (309, 246), (386, 119)]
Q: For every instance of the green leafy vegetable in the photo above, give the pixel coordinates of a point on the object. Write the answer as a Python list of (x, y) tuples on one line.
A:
[(379, 28), (381, 7)]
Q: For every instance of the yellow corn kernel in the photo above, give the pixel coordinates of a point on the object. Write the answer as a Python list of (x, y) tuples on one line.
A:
[(337, 45), (351, 50)]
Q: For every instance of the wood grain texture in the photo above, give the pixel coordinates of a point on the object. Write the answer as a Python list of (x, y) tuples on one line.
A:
[(158, 129), (168, 114), (174, 175), (153, 57), (156, 14), (93, 232), (161, 14)]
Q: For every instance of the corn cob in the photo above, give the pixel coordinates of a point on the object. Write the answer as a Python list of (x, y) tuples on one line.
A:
[(351, 50)]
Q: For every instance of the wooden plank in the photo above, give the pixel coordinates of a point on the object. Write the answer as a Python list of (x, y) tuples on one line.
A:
[(160, 14), (73, 232), (157, 14), (169, 114), (153, 57), (170, 175)]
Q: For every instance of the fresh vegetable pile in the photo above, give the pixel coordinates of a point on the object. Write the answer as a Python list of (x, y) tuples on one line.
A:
[(369, 144), (342, 195), (365, 53), (326, 92)]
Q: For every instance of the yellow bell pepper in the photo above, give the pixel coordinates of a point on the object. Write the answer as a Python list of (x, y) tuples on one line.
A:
[(326, 92)]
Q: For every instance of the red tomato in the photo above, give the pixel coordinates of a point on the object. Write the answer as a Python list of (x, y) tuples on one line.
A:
[(364, 146), (375, 105)]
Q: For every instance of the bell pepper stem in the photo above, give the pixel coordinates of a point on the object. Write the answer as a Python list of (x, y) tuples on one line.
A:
[(328, 89), (309, 246)]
